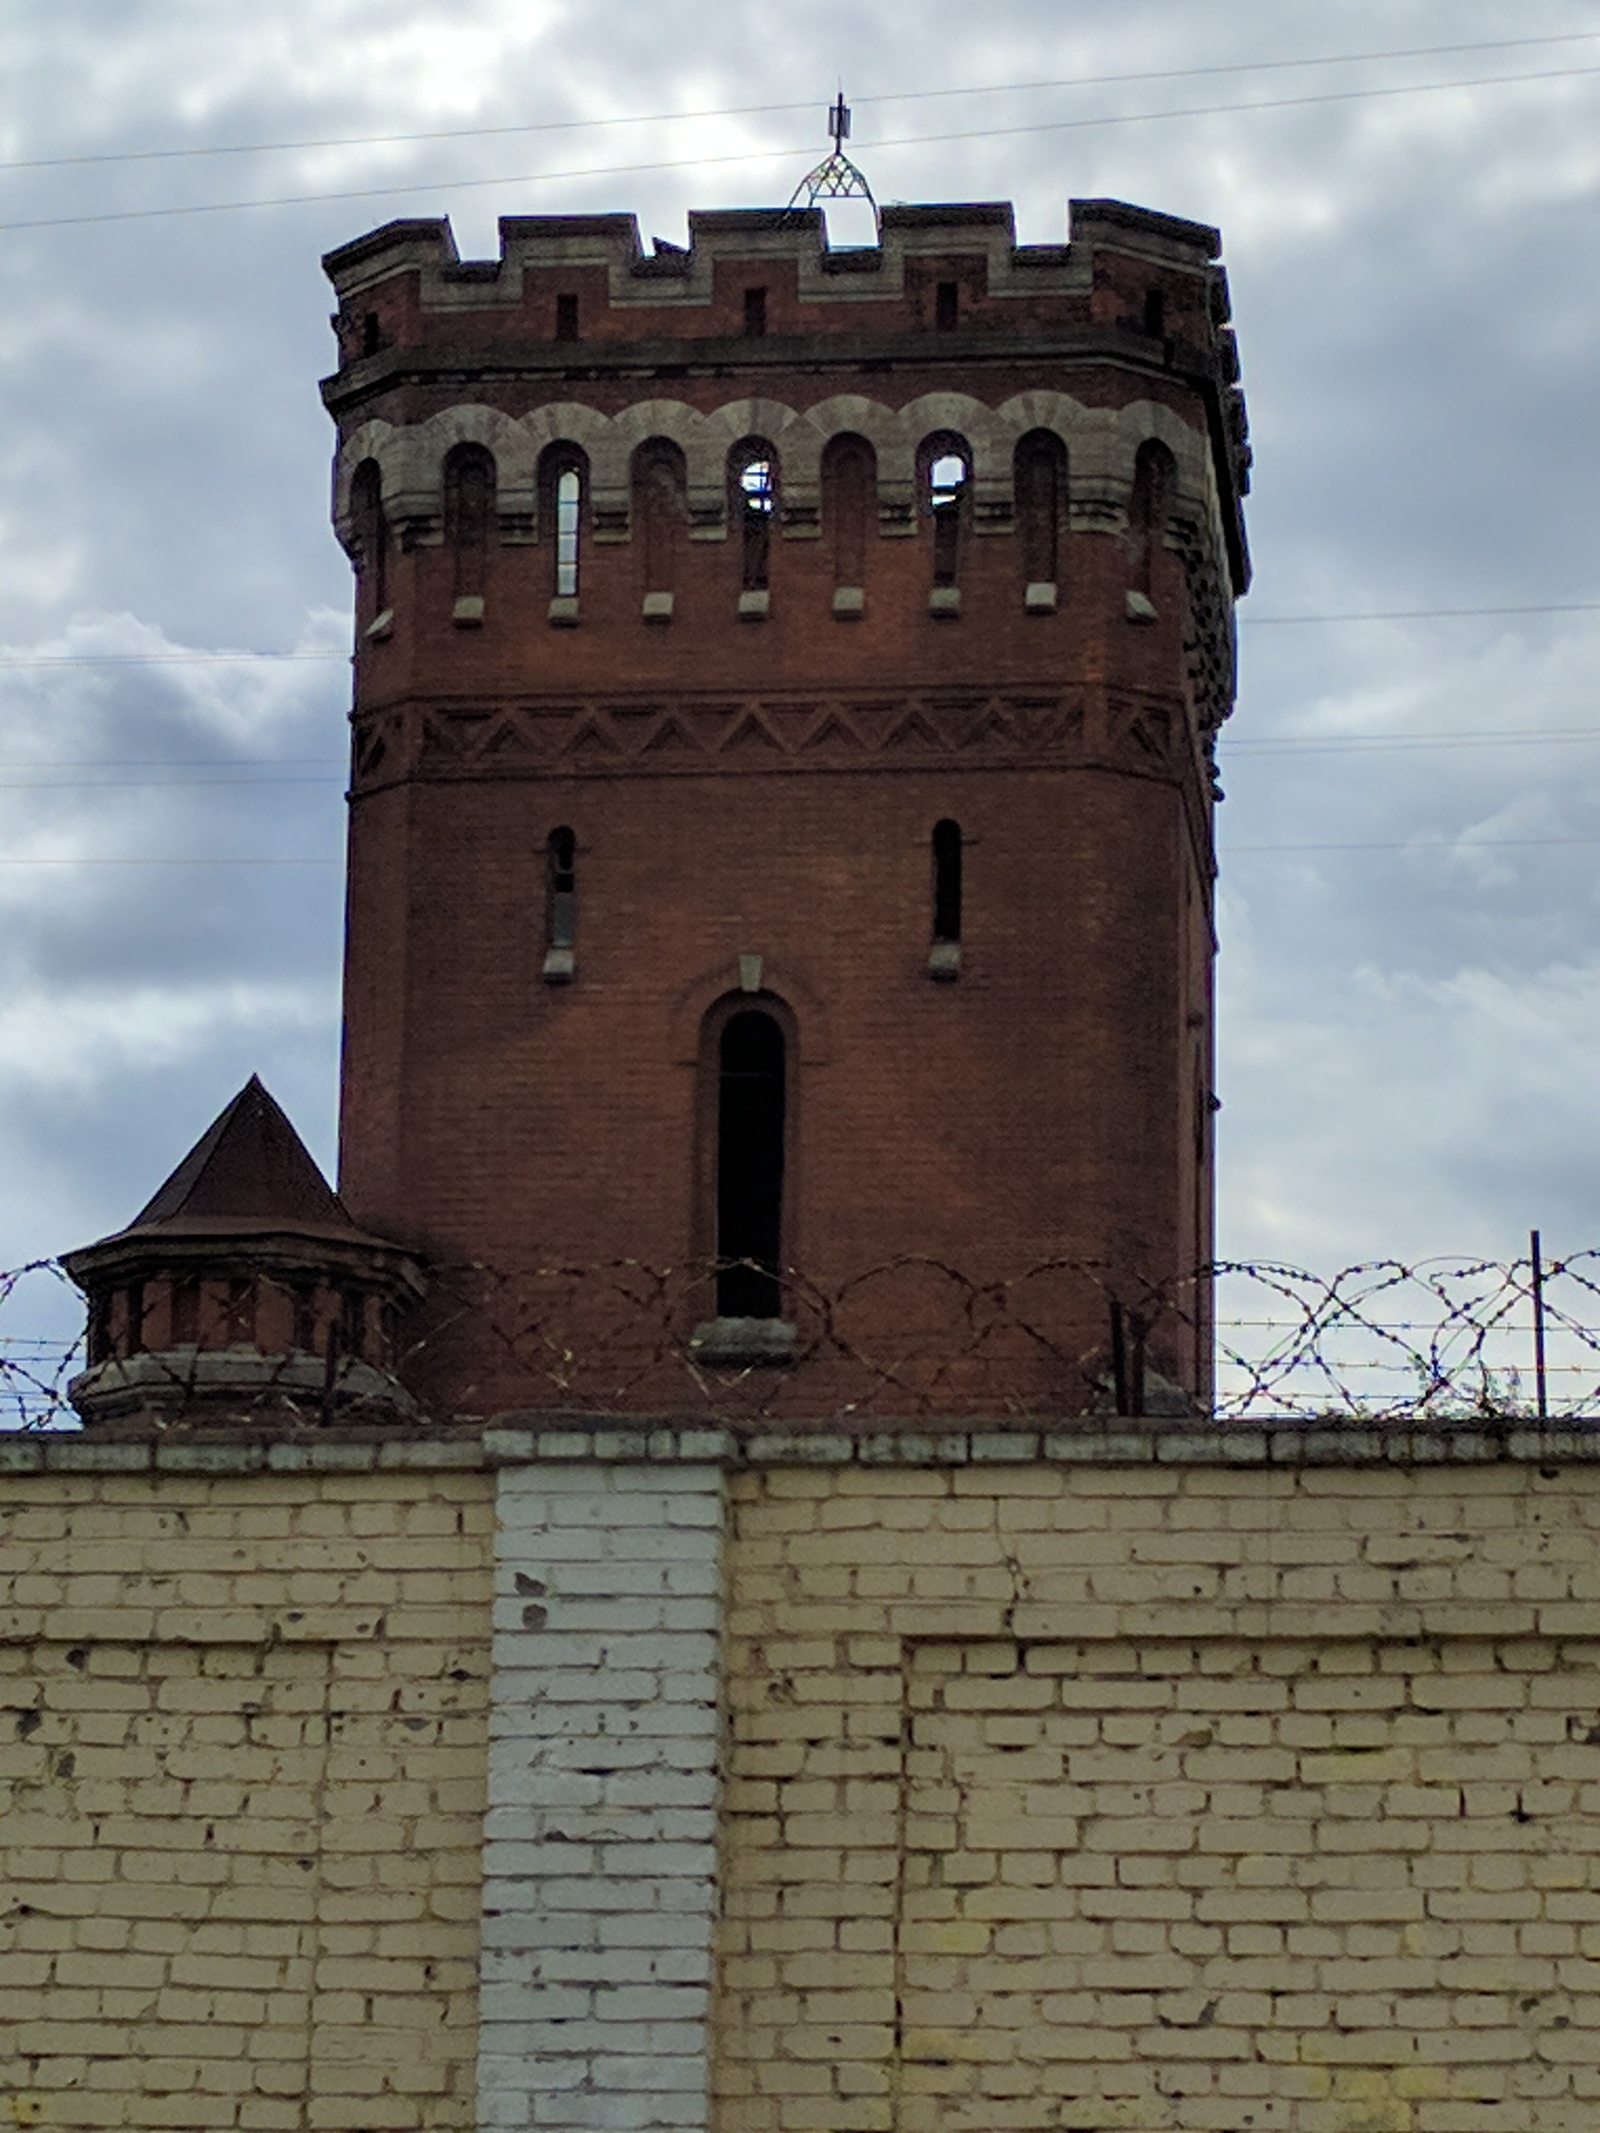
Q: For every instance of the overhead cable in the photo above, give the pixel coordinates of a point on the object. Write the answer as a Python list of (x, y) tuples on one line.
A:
[(433, 186), (733, 111)]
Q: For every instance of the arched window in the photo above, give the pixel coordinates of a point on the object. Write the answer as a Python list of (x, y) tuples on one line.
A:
[(753, 505), (947, 881), (750, 1143), (561, 907), (370, 533), (660, 514), (469, 493), (946, 467), (1154, 476), (563, 502), (134, 1308), (185, 1311), (569, 502), (849, 496), (1041, 484), (944, 955)]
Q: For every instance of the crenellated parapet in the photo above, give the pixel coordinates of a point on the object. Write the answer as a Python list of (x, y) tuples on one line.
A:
[(563, 328)]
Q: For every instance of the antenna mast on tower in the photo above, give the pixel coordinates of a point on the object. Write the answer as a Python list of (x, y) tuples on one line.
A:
[(835, 177)]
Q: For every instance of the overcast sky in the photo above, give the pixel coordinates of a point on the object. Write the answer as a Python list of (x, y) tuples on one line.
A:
[(1410, 971)]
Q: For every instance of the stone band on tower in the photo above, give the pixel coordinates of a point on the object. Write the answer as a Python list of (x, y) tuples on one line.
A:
[(781, 808)]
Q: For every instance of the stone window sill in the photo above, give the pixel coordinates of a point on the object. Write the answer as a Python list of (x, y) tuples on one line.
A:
[(743, 1340)]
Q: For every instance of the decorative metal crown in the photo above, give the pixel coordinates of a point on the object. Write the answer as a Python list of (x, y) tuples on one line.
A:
[(835, 177)]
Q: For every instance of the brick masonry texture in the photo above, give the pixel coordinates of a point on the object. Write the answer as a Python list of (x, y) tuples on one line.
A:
[(600, 1843), (1065, 1798), (763, 783), (1055, 1793), (242, 1746)]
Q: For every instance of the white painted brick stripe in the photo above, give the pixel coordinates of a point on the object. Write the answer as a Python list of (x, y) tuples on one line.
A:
[(600, 1837)]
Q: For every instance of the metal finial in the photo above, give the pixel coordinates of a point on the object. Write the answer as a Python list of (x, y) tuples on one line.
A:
[(835, 177)]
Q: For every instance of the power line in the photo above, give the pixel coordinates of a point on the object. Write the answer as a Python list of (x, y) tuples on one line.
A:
[(150, 784), (1423, 614), (184, 658), (1406, 844), (1267, 744), (162, 762), (170, 862), (767, 155), (1359, 743), (891, 96), (1228, 852), (164, 659)]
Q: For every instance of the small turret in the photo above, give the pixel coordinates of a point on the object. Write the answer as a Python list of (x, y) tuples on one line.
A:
[(243, 1292)]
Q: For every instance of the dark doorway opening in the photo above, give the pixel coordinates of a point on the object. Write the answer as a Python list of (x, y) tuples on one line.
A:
[(750, 1110)]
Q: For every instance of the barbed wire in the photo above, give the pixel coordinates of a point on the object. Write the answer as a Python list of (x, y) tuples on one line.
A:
[(1444, 1340), (34, 1369)]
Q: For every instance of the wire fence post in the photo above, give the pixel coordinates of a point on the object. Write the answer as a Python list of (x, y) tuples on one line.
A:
[(1536, 1261)]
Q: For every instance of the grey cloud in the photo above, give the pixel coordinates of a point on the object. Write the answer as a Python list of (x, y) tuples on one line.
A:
[(1404, 1032)]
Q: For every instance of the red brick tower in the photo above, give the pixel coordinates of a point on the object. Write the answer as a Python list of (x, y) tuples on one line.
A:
[(781, 815)]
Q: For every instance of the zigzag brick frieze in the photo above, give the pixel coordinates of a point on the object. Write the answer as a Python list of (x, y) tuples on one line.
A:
[(676, 734)]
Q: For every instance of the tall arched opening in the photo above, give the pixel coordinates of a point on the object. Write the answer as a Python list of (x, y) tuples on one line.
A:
[(752, 1076)]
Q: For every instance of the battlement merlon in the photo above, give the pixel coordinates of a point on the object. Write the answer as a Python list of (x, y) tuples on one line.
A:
[(984, 230), (1134, 288)]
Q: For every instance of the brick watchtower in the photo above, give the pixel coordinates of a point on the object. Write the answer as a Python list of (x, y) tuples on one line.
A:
[(785, 685)]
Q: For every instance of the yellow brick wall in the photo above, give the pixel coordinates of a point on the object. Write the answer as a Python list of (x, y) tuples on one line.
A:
[(242, 1750), (1080, 1799)]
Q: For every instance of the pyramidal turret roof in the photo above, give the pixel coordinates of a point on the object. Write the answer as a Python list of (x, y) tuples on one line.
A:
[(250, 1167)]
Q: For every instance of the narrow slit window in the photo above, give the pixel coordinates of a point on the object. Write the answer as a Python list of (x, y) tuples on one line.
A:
[(1153, 474), (1155, 314), (305, 1318), (370, 541), (946, 306), (469, 486), (563, 888), (353, 1325), (371, 334), (755, 313), (239, 1313), (567, 317), (134, 1304), (1041, 483), (561, 906), (750, 1140), (849, 489), (756, 501), (661, 511), (947, 881), (185, 1310), (569, 502), (947, 483)]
